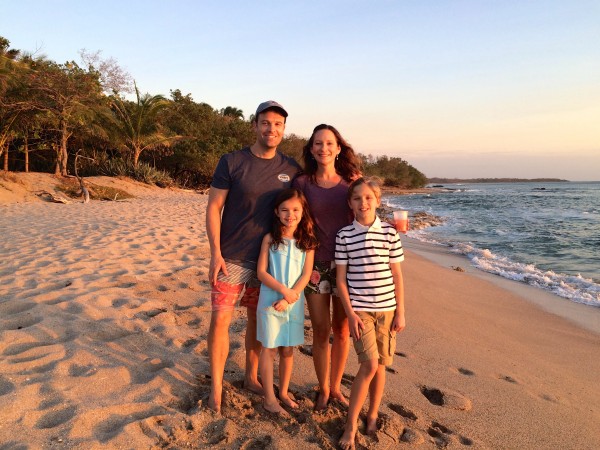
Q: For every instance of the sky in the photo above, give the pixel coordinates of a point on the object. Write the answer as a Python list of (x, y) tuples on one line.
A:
[(458, 88)]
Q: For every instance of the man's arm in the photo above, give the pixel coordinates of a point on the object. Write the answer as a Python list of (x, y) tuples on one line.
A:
[(216, 202)]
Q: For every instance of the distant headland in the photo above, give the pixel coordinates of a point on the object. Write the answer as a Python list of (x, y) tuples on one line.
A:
[(494, 180)]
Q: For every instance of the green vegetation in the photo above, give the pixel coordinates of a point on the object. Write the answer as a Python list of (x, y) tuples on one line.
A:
[(50, 111)]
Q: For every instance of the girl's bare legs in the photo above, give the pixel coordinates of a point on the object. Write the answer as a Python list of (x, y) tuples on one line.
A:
[(286, 361), (339, 349), (267, 356), (318, 308), (358, 395), (375, 395)]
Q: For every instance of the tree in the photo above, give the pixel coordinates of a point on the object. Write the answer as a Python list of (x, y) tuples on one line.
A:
[(11, 95), (233, 112), (113, 78), (138, 125), (69, 94)]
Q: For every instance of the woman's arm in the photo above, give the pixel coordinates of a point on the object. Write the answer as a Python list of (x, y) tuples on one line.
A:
[(354, 322)]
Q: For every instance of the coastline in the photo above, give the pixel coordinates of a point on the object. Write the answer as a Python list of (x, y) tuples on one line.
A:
[(104, 314), (583, 315)]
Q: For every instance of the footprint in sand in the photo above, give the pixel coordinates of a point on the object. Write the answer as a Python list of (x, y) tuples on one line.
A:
[(18, 323), (508, 378), (146, 371), (463, 371), (9, 308), (411, 436), (255, 444), (401, 410), (6, 387), (390, 369), (75, 370), (401, 354), (448, 399), (56, 418), (443, 436)]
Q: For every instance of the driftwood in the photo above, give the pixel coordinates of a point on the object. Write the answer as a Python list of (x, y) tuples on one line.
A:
[(83, 190), (52, 197)]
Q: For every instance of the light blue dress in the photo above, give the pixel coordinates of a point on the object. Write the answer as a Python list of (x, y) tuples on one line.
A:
[(281, 328)]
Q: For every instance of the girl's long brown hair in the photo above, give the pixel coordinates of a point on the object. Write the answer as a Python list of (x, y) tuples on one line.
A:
[(347, 163), (305, 231)]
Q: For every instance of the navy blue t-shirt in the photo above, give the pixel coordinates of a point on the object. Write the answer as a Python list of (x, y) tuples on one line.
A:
[(253, 184)]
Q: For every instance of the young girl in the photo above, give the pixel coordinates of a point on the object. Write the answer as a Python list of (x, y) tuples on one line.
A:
[(367, 255), (284, 267)]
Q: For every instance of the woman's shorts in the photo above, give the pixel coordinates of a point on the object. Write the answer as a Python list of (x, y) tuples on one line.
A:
[(377, 340), (322, 279)]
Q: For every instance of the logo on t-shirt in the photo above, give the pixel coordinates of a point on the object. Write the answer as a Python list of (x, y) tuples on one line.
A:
[(283, 177)]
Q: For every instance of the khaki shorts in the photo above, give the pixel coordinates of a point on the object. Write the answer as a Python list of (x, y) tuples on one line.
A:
[(377, 340)]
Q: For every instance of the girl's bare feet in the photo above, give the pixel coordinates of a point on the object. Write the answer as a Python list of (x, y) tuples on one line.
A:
[(214, 403), (255, 387), (322, 401), (276, 408), (288, 400), (340, 398), (347, 440)]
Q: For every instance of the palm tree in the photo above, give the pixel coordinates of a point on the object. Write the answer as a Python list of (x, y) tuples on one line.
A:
[(138, 124), (232, 111)]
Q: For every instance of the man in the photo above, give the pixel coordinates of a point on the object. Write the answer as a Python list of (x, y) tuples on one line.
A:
[(239, 213)]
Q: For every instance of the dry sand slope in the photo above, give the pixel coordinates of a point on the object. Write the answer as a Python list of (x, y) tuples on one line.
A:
[(104, 314)]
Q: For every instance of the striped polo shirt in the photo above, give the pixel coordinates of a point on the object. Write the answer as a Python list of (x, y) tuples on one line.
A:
[(368, 252)]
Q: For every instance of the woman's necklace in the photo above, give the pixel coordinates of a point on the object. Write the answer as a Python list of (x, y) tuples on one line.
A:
[(328, 182)]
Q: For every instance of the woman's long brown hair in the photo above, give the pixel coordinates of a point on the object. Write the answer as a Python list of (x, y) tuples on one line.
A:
[(347, 163)]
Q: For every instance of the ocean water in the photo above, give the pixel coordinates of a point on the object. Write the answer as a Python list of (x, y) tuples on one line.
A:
[(543, 234)]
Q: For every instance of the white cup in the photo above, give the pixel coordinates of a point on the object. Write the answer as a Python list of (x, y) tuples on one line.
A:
[(401, 221)]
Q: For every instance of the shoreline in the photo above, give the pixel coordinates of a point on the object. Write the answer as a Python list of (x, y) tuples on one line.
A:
[(586, 316), (104, 315)]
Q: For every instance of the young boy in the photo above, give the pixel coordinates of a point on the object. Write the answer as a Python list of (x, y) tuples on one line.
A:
[(367, 255)]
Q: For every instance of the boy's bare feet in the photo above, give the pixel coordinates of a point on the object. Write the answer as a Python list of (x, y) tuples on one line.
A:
[(347, 440), (372, 426), (288, 400), (276, 408)]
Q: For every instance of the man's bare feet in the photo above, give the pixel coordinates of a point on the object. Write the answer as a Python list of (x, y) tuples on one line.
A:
[(288, 400), (276, 408), (347, 440), (254, 386), (322, 401), (371, 425), (340, 398)]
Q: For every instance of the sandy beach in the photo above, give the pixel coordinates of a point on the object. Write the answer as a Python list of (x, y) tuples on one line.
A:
[(104, 314)]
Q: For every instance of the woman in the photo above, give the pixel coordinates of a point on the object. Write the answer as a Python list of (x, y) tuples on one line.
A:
[(330, 165)]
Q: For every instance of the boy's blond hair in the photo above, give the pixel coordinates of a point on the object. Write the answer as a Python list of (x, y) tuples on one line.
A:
[(374, 183)]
